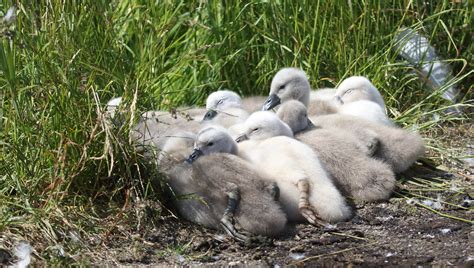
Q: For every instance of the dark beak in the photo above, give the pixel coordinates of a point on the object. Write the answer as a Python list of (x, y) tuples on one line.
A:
[(210, 114), (272, 101), (194, 155), (338, 99), (310, 124), (241, 138)]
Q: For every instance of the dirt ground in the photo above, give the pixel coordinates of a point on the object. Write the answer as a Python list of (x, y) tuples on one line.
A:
[(405, 230), (390, 234)]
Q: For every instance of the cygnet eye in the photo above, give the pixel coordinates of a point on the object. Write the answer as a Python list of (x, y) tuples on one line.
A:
[(220, 101), (255, 129), (281, 87), (210, 143)]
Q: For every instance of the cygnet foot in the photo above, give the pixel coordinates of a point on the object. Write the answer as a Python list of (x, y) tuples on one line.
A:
[(305, 208), (227, 220)]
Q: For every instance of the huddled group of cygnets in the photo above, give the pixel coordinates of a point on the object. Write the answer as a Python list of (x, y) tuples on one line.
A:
[(243, 168)]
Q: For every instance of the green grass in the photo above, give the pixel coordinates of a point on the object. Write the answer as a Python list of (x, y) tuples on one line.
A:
[(61, 61)]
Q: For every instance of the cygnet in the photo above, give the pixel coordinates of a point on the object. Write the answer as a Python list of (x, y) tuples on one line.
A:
[(397, 147), (223, 191), (268, 143), (357, 174)]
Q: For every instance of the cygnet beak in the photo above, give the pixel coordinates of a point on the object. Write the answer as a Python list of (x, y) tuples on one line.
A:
[(241, 138), (272, 101), (194, 155), (210, 114), (310, 124)]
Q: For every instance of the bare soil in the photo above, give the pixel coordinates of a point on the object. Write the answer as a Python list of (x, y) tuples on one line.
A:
[(390, 234)]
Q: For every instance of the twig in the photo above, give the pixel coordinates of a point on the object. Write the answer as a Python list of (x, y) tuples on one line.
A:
[(332, 253), (351, 236)]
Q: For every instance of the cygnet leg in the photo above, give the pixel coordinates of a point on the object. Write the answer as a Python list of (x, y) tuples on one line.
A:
[(304, 206), (227, 220)]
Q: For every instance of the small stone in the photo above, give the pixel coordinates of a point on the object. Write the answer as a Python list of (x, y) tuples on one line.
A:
[(180, 258), (296, 256), (445, 230)]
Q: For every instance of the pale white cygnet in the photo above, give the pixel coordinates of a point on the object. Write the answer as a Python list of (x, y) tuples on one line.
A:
[(306, 189), (367, 110), (223, 99), (357, 88)]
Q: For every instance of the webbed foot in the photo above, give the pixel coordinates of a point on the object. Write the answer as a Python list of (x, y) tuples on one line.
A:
[(227, 221)]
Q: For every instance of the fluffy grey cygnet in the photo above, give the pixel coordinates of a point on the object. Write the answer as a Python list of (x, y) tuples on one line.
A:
[(395, 146), (357, 174), (288, 84), (225, 192), (153, 129)]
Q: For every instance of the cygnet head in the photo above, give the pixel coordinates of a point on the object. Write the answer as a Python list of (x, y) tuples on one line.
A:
[(358, 88), (178, 146), (211, 140), (223, 99), (263, 125), (288, 84), (295, 115)]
